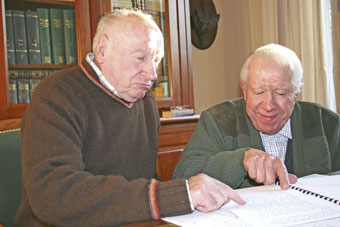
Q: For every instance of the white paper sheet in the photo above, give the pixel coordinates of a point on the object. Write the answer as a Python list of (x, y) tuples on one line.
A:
[(271, 206)]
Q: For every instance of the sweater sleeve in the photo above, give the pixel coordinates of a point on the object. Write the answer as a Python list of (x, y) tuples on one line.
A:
[(210, 153), (59, 189), (336, 155), (334, 145)]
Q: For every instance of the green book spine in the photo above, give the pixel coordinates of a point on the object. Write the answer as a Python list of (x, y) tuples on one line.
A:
[(23, 90), (10, 37), (45, 38), (20, 39), (70, 38), (75, 47), (26, 74), (57, 35), (33, 84), (13, 95), (33, 38), (13, 74), (37, 74)]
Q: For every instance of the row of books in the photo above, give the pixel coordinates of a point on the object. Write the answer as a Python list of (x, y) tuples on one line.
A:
[(156, 5), (22, 83), (44, 36)]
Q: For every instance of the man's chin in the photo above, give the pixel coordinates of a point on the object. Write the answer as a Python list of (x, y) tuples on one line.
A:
[(140, 95), (270, 131)]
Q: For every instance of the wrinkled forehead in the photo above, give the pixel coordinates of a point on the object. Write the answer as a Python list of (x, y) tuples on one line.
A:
[(135, 25), (267, 72), (134, 28)]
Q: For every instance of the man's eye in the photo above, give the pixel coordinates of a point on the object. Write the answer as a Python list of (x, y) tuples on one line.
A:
[(281, 93), (141, 58), (259, 92)]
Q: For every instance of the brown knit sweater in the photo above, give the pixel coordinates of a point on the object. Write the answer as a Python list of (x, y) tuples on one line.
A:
[(88, 159)]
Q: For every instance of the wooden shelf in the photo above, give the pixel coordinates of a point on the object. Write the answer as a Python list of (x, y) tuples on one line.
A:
[(10, 124)]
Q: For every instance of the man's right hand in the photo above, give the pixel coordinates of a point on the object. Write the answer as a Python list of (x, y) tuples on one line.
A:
[(209, 194), (264, 168)]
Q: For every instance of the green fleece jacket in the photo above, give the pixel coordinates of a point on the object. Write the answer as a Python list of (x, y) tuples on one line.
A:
[(224, 133), (89, 159)]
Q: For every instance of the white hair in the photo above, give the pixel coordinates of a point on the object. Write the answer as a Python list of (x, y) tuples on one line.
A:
[(283, 57), (108, 18)]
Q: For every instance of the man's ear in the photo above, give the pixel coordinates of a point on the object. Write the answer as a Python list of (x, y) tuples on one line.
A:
[(102, 47), (243, 87)]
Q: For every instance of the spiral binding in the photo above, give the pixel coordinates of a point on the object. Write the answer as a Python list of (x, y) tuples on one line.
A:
[(335, 201)]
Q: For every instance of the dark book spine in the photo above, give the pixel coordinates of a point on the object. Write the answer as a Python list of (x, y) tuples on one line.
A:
[(37, 74), (13, 74), (10, 37), (20, 39), (33, 38), (23, 90), (26, 74), (134, 3), (13, 95), (70, 38), (57, 35), (44, 32)]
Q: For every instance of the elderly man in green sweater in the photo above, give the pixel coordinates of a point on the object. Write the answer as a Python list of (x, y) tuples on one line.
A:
[(267, 134)]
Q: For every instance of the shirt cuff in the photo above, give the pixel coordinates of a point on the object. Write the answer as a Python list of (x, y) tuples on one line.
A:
[(190, 200)]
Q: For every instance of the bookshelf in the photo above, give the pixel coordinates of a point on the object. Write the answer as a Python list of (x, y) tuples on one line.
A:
[(173, 88), (12, 110)]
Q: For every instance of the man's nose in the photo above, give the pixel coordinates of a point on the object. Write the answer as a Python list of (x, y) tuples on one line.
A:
[(152, 71), (269, 101)]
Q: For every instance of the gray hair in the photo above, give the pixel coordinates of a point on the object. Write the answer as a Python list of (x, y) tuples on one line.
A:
[(283, 57), (108, 18)]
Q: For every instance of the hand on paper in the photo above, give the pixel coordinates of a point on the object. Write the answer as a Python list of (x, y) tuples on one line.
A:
[(209, 194), (264, 168)]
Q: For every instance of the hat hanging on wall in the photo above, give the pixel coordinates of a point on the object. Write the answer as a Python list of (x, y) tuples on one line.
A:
[(204, 22)]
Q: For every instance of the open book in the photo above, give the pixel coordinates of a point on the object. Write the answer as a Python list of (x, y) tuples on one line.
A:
[(313, 201)]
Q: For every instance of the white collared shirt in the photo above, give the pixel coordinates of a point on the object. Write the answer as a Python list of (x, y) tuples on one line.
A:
[(276, 144), (89, 58)]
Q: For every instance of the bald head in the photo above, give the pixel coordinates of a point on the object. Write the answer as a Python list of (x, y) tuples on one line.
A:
[(125, 21)]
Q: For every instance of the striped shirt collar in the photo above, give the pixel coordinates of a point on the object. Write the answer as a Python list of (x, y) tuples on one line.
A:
[(286, 130), (90, 72), (89, 59)]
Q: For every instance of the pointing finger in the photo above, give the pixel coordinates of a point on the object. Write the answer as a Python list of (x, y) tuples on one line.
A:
[(233, 195), (281, 172)]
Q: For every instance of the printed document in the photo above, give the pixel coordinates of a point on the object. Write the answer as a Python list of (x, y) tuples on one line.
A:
[(271, 206)]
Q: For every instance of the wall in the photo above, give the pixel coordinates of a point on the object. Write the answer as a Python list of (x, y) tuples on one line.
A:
[(216, 69)]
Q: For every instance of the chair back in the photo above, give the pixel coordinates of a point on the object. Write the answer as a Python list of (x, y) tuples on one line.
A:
[(10, 176)]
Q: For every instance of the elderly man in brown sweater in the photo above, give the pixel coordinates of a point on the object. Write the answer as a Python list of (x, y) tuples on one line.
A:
[(89, 138)]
